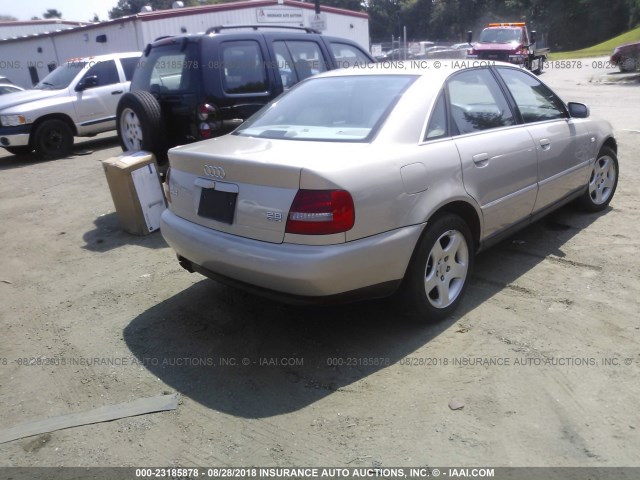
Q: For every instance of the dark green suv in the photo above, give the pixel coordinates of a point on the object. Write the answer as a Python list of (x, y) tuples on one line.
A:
[(193, 87)]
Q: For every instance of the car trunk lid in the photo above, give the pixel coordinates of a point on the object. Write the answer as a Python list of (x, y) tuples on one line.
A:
[(238, 185)]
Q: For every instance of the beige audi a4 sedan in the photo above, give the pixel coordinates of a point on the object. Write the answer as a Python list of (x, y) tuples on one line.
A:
[(370, 182)]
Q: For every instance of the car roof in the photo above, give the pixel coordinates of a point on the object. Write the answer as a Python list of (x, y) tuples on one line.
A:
[(436, 70), (100, 58), (239, 33)]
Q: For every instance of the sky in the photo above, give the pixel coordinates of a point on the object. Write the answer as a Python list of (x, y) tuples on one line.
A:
[(79, 10)]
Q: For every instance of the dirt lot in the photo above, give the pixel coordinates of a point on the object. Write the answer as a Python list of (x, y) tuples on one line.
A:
[(543, 352)]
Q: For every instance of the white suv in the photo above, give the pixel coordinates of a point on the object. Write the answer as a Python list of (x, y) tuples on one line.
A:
[(79, 98)]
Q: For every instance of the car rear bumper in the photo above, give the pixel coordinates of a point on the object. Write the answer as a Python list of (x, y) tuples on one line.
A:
[(372, 266)]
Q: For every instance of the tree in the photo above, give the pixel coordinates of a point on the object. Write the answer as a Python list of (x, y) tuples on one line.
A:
[(355, 5), (7, 18), (52, 13), (95, 18), (634, 13)]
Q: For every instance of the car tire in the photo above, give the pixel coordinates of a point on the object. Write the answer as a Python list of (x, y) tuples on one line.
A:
[(140, 126), (628, 64), (20, 150), (53, 139), (603, 181), (439, 270)]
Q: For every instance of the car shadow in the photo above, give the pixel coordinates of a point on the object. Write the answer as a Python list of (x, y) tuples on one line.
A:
[(253, 358), (81, 148), (107, 235), (9, 161)]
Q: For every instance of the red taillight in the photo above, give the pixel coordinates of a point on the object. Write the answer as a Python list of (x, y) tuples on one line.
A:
[(205, 130), (321, 212), (208, 123), (204, 110)]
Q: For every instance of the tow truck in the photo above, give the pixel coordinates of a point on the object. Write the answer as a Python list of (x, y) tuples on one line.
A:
[(509, 42)]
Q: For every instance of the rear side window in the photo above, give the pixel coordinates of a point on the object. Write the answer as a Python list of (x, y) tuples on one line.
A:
[(288, 75), (348, 55), (244, 68), (307, 58), (437, 127), (129, 67), (535, 101), (298, 60), (477, 103)]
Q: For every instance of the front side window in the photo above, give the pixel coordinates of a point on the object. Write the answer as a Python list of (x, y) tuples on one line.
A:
[(477, 103), (535, 100), (340, 109), (243, 68), (106, 73)]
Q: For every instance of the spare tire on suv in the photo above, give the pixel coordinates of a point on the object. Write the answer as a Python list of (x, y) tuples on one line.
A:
[(193, 87), (140, 125)]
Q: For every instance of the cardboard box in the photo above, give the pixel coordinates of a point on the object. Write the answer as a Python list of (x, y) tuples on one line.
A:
[(136, 191)]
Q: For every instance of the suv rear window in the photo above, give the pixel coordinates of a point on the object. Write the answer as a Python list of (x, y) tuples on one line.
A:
[(168, 68)]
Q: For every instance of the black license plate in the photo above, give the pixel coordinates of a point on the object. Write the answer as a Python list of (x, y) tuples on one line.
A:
[(217, 205)]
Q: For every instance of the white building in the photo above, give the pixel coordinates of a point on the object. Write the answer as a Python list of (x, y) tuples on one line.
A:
[(10, 29), (27, 59)]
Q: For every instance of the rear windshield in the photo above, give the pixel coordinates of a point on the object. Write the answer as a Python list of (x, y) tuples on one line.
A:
[(349, 108), (168, 68)]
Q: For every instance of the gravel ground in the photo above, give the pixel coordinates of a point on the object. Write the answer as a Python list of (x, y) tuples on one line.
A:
[(542, 354)]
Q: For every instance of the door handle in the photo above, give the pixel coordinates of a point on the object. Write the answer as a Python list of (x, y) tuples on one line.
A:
[(545, 143), (117, 92), (481, 159)]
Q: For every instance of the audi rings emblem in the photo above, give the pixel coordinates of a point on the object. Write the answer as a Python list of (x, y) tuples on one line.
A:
[(214, 171)]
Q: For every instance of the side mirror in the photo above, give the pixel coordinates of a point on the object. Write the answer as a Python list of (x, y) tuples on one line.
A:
[(533, 37), (469, 36), (87, 82), (578, 110)]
